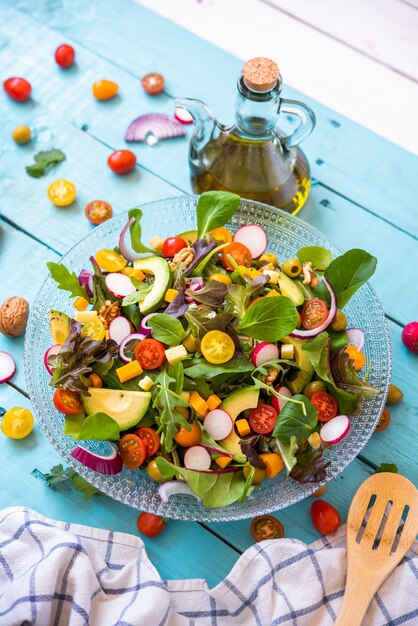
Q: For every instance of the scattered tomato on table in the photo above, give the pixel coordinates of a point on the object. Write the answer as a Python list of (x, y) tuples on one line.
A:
[(22, 135), (122, 161), (98, 211), (18, 89), (17, 423), (105, 89), (62, 192), (319, 492), (266, 527), (150, 525), (395, 395), (384, 421), (153, 83), (65, 55), (325, 517)]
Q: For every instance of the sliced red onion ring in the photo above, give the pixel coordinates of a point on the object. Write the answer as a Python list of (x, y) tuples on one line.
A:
[(196, 280), (131, 337), (306, 334), (173, 488), (85, 278), (125, 249), (143, 326), (110, 463), (355, 337), (193, 287), (156, 124)]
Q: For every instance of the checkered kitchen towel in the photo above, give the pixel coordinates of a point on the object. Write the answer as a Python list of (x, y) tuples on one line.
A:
[(55, 573)]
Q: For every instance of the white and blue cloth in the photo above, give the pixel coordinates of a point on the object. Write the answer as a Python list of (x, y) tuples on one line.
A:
[(58, 574)]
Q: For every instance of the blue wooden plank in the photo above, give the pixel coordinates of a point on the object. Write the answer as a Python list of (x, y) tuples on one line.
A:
[(345, 156)]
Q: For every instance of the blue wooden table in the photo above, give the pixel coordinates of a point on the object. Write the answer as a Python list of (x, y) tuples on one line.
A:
[(364, 195)]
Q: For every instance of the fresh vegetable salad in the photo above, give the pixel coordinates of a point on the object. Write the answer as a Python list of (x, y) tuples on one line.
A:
[(206, 361)]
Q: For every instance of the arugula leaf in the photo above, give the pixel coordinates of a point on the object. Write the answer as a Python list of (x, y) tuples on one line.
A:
[(215, 490), (44, 161), (67, 280), (98, 426), (167, 329), (142, 289), (319, 257), (214, 209), (136, 232), (57, 475), (293, 422), (213, 293), (346, 378), (166, 401), (269, 319), (387, 467), (311, 467), (176, 371), (347, 273), (287, 452)]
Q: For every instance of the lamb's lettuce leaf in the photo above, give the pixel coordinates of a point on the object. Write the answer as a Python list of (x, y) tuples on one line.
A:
[(215, 209), (319, 257), (98, 426), (269, 319), (293, 421), (346, 274)]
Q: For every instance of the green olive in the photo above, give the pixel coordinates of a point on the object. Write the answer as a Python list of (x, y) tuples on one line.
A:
[(259, 474), (292, 267), (298, 319), (339, 322), (395, 395), (154, 473), (312, 387), (267, 258)]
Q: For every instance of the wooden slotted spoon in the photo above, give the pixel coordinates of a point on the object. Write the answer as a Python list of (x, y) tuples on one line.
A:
[(369, 562)]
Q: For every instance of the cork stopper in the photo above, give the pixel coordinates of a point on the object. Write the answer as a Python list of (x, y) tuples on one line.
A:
[(260, 74)]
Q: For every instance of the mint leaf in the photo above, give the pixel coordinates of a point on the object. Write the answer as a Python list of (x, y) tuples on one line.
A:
[(44, 161), (386, 467), (167, 329), (136, 232), (67, 280), (214, 209), (319, 257), (269, 319)]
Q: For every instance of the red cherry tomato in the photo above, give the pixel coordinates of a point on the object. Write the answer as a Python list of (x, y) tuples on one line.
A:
[(150, 439), (325, 404), (150, 525), (98, 211), (314, 313), (325, 517), (240, 254), (132, 450), (64, 55), (122, 161), (383, 422), (172, 245), (263, 418), (150, 354), (17, 89), (266, 527), (66, 401), (153, 83)]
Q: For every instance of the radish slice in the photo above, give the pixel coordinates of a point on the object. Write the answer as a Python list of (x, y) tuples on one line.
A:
[(218, 424), (132, 337), (143, 326), (183, 116), (85, 278), (254, 237), (156, 124), (263, 353), (119, 285), (52, 351), (119, 329), (110, 463), (355, 337), (125, 249), (335, 430), (217, 450), (306, 334), (278, 403), (173, 488), (197, 458), (7, 367)]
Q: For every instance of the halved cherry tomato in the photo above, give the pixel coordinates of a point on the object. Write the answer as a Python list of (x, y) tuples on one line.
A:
[(66, 401), (150, 354), (153, 83), (325, 404), (384, 421), (132, 450), (110, 261), (150, 525), (98, 211), (121, 161), (104, 89), (314, 313), (17, 88), (266, 527), (64, 55), (325, 517), (150, 438), (188, 438), (172, 245), (217, 347), (221, 235), (263, 418), (62, 192), (240, 254), (95, 330)]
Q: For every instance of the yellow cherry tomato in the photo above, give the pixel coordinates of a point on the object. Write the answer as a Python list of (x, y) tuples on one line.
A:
[(22, 134), (94, 329), (221, 278), (221, 235), (62, 192), (110, 261), (217, 347), (17, 423), (105, 89)]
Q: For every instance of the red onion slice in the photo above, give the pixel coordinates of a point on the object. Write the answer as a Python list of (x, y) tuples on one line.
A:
[(307, 334), (125, 249), (355, 337), (85, 278), (131, 337), (143, 326), (154, 124), (103, 463), (173, 488)]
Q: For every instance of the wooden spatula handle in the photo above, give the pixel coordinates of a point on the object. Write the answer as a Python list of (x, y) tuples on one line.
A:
[(358, 595)]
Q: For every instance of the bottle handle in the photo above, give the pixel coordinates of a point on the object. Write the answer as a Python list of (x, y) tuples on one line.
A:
[(307, 120)]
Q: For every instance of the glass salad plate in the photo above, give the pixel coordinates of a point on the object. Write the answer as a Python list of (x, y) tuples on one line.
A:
[(286, 234)]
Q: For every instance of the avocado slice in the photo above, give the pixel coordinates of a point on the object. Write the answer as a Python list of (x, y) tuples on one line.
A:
[(291, 289), (306, 371), (189, 236), (59, 326), (127, 408), (162, 281), (234, 404)]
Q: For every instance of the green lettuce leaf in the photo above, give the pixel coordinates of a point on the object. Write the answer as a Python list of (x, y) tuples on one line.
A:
[(269, 319), (136, 232), (319, 257), (347, 273), (98, 426), (214, 209), (293, 421), (58, 476), (44, 161), (387, 467), (203, 369)]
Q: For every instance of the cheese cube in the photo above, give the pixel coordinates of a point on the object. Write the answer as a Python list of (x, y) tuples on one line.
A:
[(170, 294), (80, 303), (243, 427), (273, 276), (178, 353), (128, 371), (146, 383), (84, 317), (213, 402)]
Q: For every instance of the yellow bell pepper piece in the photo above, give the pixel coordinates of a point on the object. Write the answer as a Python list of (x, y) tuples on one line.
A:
[(170, 294), (198, 403), (213, 402), (223, 461), (128, 371), (243, 427), (80, 303), (274, 463), (272, 294)]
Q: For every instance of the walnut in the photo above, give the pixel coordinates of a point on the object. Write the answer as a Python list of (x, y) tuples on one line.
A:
[(108, 312), (185, 255), (309, 276), (269, 378), (14, 316)]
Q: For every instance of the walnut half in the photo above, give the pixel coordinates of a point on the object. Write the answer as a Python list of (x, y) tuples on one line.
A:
[(14, 314)]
